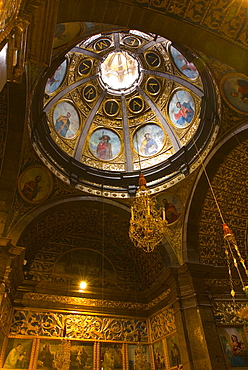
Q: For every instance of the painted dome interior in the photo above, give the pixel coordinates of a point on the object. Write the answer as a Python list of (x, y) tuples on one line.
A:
[(122, 102)]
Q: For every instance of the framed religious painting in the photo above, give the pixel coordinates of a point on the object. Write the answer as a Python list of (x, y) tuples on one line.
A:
[(159, 356), (66, 119), (234, 90), (173, 349), (139, 357), (188, 69), (52, 353), (148, 139), (18, 354), (35, 184), (235, 346), (181, 108), (56, 78), (111, 356), (105, 144), (81, 355), (171, 206)]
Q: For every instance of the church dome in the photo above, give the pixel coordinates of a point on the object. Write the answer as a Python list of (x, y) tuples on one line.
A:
[(122, 102)]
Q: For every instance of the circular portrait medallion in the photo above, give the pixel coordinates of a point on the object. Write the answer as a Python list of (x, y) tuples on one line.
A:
[(181, 109), (105, 144), (35, 184), (56, 79), (187, 68), (234, 89), (66, 120), (148, 140)]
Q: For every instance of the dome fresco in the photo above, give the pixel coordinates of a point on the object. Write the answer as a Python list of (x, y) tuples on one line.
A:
[(122, 102)]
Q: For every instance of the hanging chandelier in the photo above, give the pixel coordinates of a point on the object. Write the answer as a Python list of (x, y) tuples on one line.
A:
[(147, 224)]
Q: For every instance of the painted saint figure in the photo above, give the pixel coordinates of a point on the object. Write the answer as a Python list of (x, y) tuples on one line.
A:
[(159, 360), (31, 188), (175, 354), (242, 92), (185, 113), (171, 213), (14, 358), (108, 360), (104, 148), (148, 145), (62, 124), (186, 67)]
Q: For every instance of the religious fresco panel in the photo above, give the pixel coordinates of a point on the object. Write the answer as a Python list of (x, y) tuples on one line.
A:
[(111, 356), (187, 68), (35, 184), (18, 354), (105, 144), (56, 78), (148, 140), (235, 346), (234, 90), (181, 108), (139, 357), (66, 120)]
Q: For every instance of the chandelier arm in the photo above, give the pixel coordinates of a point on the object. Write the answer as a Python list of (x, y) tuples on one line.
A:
[(235, 261), (230, 274)]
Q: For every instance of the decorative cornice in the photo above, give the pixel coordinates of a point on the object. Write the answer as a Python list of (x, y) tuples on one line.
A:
[(77, 301)]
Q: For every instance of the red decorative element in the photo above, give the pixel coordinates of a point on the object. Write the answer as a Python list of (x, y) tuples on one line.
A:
[(226, 230), (142, 181)]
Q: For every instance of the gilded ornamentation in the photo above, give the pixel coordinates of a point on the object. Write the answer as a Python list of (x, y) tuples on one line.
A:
[(217, 16), (78, 326), (230, 189), (225, 312), (162, 323), (222, 282), (5, 314), (90, 224), (8, 12), (95, 302)]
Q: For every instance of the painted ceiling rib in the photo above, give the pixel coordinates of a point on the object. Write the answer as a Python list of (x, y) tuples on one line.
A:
[(117, 41), (199, 92), (87, 52), (149, 45), (88, 122), (60, 95), (127, 138), (173, 138)]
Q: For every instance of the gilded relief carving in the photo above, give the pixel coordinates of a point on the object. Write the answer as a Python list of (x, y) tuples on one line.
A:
[(78, 326), (229, 184), (219, 17), (5, 314), (162, 323), (225, 312)]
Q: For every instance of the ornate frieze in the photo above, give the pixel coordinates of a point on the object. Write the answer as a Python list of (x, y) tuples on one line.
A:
[(78, 326)]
